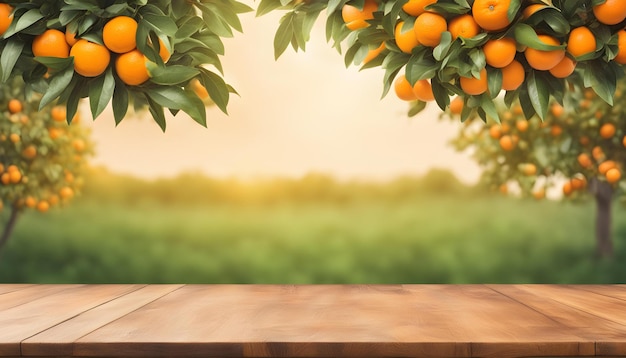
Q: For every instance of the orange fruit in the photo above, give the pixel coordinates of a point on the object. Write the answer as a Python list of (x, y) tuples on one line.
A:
[(5, 178), (15, 106), (131, 68), (59, 113), (463, 26), (53, 199), (507, 143), (613, 175), (372, 54), (69, 177), (495, 131), (581, 41), (119, 34), (531, 9), (164, 53), (607, 130), (14, 137), (355, 18), (611, 12), (544, 60), (505, 128), (416, 7), (567, 188), (503, 188), (423, 91), (491, 15), (584, 160), (429, 27), (15, 176), (30, 202), (539, 194), (557, 110), (406, 40), (70, 37), (513, 76), (579, 182), (564, 68), (199, 89), (474, 86), (43, 206), (584, 140), (529, 169), (90, 59), (624, 141), (456, 106), (79, 145), (5, 17), (51, 43), (597, 153), (500, 52), (521, 125), (29, 152), (403, 89), (621, 45), (556, 130), (66, 192), (605, 166)]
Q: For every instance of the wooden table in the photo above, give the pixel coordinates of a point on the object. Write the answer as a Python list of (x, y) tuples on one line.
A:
[(312, 320)]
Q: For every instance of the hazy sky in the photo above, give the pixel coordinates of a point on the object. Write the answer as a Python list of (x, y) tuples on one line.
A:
[(303, 113)]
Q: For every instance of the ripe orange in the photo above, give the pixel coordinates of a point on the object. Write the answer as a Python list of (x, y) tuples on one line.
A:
[(605, 166), (607, 130), (624, 141), (500, 52), (556, 130), (507, 143), (504, 189), (164, 53), (59, 113), (406, 40), (66, 192), (90, 59), (522, 125), (79, 145), (557, 110), (5, 17), (491, 15), (505, 128), (43, 206), (539, 194), (29, 152), (15, 106), (372, 54), (423, 91), (199, 89), (30, 202), (5, 178), (529, 169), (495, 131), (69, 177), (531, 9), (429, 27), (621, 45), (567, 188), (513, 76), (579, 182), (474, 86), (584, 140), (584, 160), (564, 68), (611, 12), (131, 68), (53, 199), (51, 43), (581, 41), (456, 106), (14, 137), (463, 26), (416, 7), (355, 18), (70, 37), (403, 89), (544, 60), (613, 175), (597, 153), (119, 34)]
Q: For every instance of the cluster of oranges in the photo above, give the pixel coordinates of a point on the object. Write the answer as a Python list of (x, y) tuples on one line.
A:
[(501, 50), (92, 59)]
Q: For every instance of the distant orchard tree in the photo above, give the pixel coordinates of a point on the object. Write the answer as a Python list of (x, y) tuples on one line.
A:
[(583, 148), (41, 155)]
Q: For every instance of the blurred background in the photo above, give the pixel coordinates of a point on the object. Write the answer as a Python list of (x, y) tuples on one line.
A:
[(311, 178)]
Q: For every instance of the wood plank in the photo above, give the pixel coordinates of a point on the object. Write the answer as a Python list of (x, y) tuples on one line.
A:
[(334, 321), (28, 294), (11, 287), (59, 340), (21, 322), (615, 291)]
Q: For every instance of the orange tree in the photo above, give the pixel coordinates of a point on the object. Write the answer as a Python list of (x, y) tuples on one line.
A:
[(431, 50), (579, 147), (157, 54), (41, 156)]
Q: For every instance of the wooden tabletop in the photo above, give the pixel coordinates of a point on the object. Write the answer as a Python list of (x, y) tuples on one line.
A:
[(312, 320)]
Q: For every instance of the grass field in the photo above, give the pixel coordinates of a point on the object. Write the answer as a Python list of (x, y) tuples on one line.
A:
[(433, 239)]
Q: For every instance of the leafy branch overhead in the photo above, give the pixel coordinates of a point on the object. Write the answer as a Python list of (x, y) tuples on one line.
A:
[(160, 54), (533, 51)]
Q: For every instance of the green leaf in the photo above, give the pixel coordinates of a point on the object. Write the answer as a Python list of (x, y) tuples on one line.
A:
[(217, 88), (538, 93), (444, 46), (100, 92), (55, 63), (160, 24), (120, 101), (526, 35), (283, 35), (267, 6), (10, 53), (27, 19), (177, 98), (171, 75), (416, 107), (157, 113), (58, 84)]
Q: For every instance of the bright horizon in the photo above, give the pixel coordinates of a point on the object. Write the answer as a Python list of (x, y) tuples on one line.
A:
[(303, 113)]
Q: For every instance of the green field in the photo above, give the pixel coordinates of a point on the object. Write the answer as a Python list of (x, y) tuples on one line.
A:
[(415, 239)]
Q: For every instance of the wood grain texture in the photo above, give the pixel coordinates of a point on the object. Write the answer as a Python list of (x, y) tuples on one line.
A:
[(316, 321)]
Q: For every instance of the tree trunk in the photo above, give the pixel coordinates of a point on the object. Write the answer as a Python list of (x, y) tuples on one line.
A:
[(8, 229), (603, 193)]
